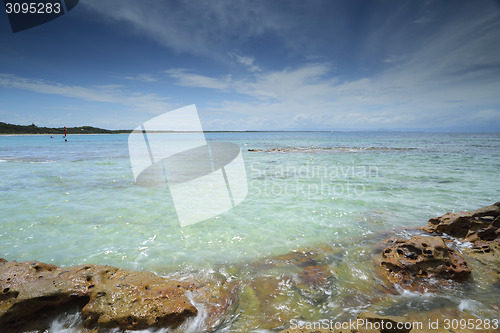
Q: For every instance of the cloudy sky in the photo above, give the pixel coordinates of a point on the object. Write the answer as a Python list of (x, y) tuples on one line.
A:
[(259, 65)]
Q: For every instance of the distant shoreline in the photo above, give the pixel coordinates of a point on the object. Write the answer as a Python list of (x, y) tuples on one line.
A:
[(10, 129), (55, 134), (158, 132)]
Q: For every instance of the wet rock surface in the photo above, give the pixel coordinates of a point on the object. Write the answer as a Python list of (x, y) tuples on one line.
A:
[(488, 253), (111, 297), (308, 284), (216, 301), (135, 300), (479, 224), (413, 263), (287, 286), (480, 227), (31, 286)]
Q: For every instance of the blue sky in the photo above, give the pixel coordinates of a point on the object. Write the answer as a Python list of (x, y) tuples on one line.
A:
[(259, 65)]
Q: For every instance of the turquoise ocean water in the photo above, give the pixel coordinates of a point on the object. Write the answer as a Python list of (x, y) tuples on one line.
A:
[(76, 202)]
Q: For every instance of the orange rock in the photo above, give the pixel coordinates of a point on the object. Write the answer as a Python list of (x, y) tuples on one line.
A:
[(137, 300), (464, 224), (412, 263), (480, 227), (111, 297)]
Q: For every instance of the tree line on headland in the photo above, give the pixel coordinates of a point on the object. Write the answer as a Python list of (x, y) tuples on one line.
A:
[(6, 128)]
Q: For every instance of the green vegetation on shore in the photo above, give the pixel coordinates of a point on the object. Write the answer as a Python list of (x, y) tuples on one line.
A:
[(6, 128), (33, 129)]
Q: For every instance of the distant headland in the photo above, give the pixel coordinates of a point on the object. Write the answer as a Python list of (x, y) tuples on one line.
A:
[(6, 128)]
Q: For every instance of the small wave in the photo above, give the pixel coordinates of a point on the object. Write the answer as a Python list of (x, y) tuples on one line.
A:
[(69, 323), (26, 159), (469, 305), (462, 244), (41, 162), (405, 293)]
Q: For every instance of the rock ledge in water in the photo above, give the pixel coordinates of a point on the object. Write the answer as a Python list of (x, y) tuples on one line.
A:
[(480, 227), (470, 225), (413, 263), (114, 297)]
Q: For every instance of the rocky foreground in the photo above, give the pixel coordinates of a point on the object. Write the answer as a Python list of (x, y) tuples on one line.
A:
[(110, 297)]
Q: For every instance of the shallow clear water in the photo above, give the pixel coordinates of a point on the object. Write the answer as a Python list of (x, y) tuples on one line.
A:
[(76, 202)]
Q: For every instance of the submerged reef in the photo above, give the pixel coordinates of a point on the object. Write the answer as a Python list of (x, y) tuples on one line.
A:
[(327, 149), (291, 292)]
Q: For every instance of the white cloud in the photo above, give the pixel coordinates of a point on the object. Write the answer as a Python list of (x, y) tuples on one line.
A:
[(439, 70), (184, 78), (394, 58), (141, 77), (302, 83), (105, 93), (311, 96), (442, 71), (198, 27), (247, 61)]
